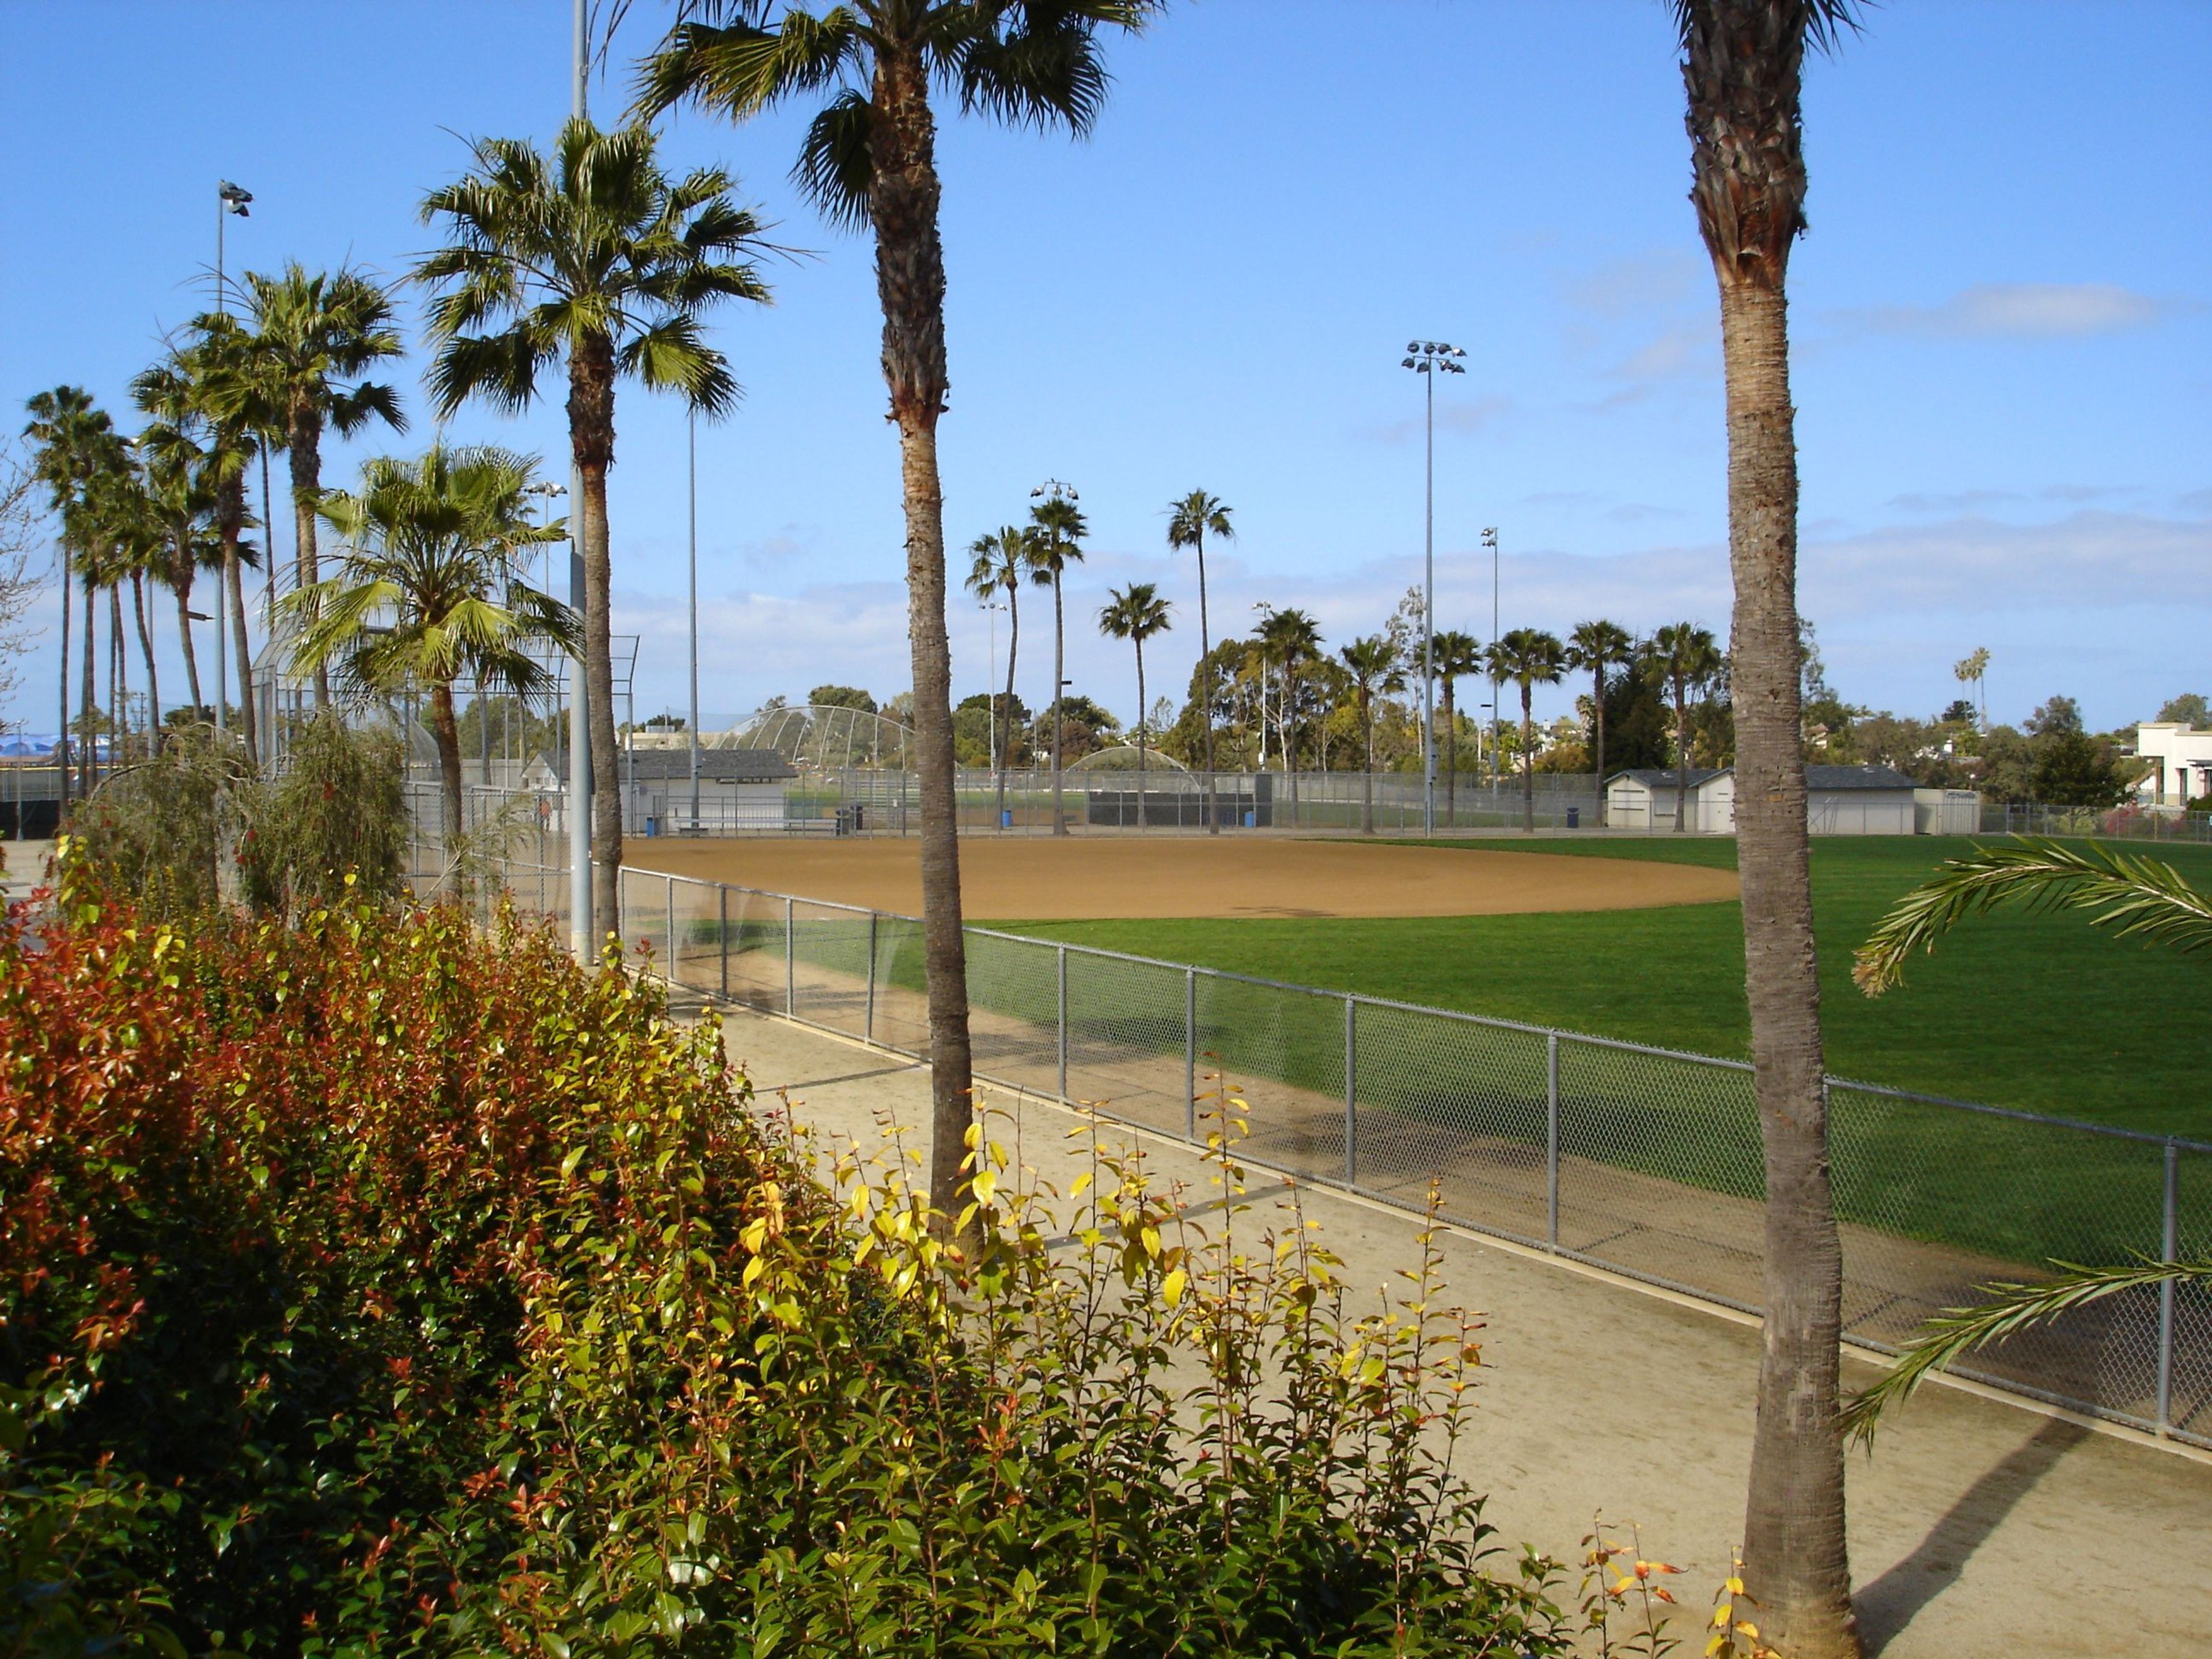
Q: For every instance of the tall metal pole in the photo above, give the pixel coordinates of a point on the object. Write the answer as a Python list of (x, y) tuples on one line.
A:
[(580, 740), (1429, 624), (222, 597), (1490, 537), (691, 443)]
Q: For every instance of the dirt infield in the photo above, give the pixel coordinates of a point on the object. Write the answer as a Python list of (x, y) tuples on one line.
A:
[(1097, 879)]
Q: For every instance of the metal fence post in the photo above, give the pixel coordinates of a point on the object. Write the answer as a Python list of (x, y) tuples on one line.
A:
[(1190, 1054), (2169, 1249), (1351, 1091), (868, 1032), (790, 971), (722, 934), (1552, 1138), (675, 974), (1061, 953)]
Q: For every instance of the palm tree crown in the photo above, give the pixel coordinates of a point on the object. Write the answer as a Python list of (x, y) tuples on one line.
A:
[(1137, 613), (1529, 658), (1598, 646)]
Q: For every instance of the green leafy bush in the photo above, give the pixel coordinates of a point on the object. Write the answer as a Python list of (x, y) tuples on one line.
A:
[(374, 1285)]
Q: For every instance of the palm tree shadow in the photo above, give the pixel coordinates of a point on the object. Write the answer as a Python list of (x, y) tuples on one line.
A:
[(1892, 1601)]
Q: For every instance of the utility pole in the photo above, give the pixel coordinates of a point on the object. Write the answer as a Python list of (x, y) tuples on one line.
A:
[(228, 199), (1489, 541), (691, 445), (1428, 359), (580, 731)]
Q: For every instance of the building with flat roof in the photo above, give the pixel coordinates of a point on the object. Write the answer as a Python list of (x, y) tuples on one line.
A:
[(2180, 757)]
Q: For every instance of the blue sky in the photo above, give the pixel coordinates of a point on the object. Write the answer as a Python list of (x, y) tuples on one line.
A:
[(2001, 315)]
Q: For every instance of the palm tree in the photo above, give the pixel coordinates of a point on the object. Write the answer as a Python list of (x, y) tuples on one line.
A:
[(180, 483), (1001, 563), (1289, 639), (1454, 653), (869, 158), (1373, 662), (1529, 657), (596, 256), (134, 542), (1690, 658), (311, 334), (428, 590), (1137, 613), (72, 441), (1190, 520), (1742, 70), (1598, 646), (2135, 897), (1971, 669), (1057, 530)]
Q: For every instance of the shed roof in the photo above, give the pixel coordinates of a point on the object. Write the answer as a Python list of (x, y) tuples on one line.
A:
[(1856, 777), (715, 765), (1668, 777)]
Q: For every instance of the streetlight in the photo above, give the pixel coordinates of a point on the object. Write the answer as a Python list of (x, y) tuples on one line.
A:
[(1489, 541), (691, 448), (1428, 359), (229, 199)]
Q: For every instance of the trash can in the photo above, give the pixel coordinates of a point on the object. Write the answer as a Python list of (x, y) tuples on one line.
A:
[(1574, 818), (1005, 817)]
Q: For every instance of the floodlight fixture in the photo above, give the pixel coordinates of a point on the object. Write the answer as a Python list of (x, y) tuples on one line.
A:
[(234, 198)]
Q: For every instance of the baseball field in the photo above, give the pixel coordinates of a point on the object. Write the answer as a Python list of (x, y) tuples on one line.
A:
[(1638, 938)]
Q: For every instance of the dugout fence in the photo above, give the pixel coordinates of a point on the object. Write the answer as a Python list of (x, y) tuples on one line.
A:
[(1639, 1160)]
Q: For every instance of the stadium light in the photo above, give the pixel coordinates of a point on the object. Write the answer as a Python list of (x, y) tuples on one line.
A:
[(229, 199), (1429, 359)]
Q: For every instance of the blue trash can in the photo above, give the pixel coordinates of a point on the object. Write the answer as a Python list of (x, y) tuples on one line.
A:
[(1574, 818), (1007, 817)]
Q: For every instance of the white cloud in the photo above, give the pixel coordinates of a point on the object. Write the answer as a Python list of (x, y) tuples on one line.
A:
[(2021, 311)]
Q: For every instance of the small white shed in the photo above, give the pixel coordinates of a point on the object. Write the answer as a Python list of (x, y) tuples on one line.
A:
[(1646, 799), (1839, 801)]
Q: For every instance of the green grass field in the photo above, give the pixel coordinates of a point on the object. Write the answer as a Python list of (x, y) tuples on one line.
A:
[(2041, 1012)]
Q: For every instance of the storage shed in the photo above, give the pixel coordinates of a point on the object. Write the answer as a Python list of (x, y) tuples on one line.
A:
[(1645, 799), (739, 789), (1839, 801)]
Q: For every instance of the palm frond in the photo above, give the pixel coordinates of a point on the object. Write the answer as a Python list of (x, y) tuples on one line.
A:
[(1957, 1332), (2133, 896), (837, 166)]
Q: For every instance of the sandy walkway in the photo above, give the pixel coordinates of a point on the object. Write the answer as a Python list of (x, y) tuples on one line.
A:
[(1098, 878)]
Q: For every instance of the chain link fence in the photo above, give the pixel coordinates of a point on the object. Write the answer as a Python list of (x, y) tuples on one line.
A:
[(1643, 1161)]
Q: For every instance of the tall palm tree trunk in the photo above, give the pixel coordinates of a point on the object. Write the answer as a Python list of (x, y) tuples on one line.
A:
[(903, 205), (88, 763), (1144, 818), (1682, 760), (445, 732), (146, 649), (1205, 690), (1451, 759), (230, 521), (66, 619), (1058, 687), (1597, 736), (1528, 760), (117, 684), (1367, 766), (1006, 714), (303, 448), (183, 584), (591, 438)]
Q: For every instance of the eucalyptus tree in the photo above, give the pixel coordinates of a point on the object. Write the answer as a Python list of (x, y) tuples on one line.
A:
[(1000, 564), (427, 589), (72, 439), (314, 335), (1136, 614), (869, 159), (1057, 528), (595, 257), (1373, 665), (1454, 654), (1598, 646), (1742, 70), (1529, 657), (1191, 519), (1689, 658)]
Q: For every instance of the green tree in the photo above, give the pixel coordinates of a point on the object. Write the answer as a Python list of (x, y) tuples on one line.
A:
[(1372, 662), (1288, 639), (1742, 71), (1455, 655), (139, 535), (2187, 709), (1598, 646), (1689, 656), (1001, 563), (1529, 658), (311, 334), (1136, 614), (869, 159), (1191, 519), (2072, 768), (841, 697), (593, 257), (1057, 529), (429, 589)]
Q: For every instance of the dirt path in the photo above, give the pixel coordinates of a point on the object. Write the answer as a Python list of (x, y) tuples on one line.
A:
[(1099, 879)]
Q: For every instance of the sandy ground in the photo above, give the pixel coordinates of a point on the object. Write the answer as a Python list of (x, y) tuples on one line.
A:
[(1980, 1529), (1100, 879)]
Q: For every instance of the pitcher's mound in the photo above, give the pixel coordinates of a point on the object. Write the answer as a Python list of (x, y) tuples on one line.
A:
[(1085, 878)]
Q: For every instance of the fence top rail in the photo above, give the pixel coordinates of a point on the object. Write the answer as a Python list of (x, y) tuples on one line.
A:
[(2178, 1143)]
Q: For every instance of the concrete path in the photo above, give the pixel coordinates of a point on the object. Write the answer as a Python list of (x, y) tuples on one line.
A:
[(1980, 1528)]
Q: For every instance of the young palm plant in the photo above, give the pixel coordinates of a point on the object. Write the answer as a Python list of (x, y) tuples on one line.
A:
[(429, 589), (1057, 530), (1598, 646), (1742, 71), (1373, 665), (2135, 898), (597, 256), (1137, 613), (1529, 657), (1001, 563), (1691, 659), (1191, 519), (312, 334), (869, 159), (1455, 655)]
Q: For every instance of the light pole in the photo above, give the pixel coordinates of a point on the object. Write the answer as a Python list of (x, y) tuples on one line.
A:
[(1428, 359), (1489, 541), (691, 445), (229, 199), (579, 732)]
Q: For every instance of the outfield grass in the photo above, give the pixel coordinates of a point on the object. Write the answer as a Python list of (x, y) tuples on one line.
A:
[(2041, 1012)]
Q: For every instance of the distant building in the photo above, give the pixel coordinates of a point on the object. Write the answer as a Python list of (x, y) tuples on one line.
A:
[(1645, 799), (1839, 801), (2181, 764)]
